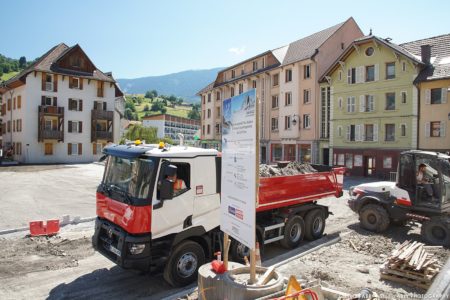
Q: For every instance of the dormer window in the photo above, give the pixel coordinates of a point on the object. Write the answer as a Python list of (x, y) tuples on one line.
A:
[(49, 82), (233, 73), (76, 62), (75, 83), (255, 65)]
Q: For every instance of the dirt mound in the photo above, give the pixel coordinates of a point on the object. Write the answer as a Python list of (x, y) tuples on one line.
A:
[(292, 168)]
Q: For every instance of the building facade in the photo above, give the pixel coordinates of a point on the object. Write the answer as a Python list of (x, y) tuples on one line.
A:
[(374, 106), (286, 83), (169, 126), (434, 86), (61, 109)]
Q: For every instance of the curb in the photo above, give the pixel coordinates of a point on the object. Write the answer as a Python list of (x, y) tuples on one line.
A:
[(73, 222)]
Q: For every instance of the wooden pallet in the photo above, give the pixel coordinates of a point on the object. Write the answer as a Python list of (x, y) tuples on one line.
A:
[(406, 281)]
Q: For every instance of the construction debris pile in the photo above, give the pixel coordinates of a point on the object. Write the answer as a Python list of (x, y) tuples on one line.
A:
[(412, 264), (292, 168)]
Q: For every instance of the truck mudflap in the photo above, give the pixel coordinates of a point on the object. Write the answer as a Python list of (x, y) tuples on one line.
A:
[(126, 250)]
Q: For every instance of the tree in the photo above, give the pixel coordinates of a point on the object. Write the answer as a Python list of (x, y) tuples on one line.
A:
[(163, 110), (128, 114), (157, 106), (146, 107), (130, 104), (194, 114), (148, 95), (137, 131), (151, 94), (22, 62)]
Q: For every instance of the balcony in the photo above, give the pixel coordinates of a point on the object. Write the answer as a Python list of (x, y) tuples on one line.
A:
[(104, 135), (52, 134), (102, 114), (50, 123), (51, 110)]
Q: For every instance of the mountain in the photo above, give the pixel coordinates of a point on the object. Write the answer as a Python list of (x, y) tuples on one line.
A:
[(183, 84)]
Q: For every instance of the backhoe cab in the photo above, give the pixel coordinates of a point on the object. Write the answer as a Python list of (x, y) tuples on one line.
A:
[(421, 193)]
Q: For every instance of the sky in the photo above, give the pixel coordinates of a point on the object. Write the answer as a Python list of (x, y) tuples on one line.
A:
[(137, 38)]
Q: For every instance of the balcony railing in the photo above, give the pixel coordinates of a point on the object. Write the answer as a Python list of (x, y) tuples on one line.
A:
[(52, 134), (51, 110), (104, 135), (102, 114)]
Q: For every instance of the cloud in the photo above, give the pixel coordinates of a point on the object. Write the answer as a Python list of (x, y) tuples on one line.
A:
[(237, 51)]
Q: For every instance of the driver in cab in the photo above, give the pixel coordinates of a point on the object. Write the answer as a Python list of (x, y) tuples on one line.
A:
[(422, 180), (179, 186)]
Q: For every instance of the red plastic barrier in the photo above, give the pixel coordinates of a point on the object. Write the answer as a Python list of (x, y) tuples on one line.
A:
[(51, 227)]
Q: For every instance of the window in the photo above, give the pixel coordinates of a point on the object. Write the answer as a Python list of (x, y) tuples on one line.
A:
[(288, 75), (255, 65), (254, 84), (368, 132), (339, 131), (340, 75), (204, 114), (74, 149), (209, 97), (48, 149), (390, 70), (351, 104), (48, 101), (307, 71), (306, 98), (403, 129), (75, 83), (9, 126), (288, 99), (306, 121), (351, 133), (97, 148), (208, 129), (287, 122), (218, 111), (19, 102), (340, 102), (387, 162), (389, 132), (204, 99), (76, 105), (217, 96), (232, 91), (390, 101), (274, 124), (275, 101), (276, 79), (14, 103), (349, 160), (241, 88), (403, 97), (305, 153), (48, 82), (100, 105), (351, 76), (277, 152), (369, 51), (370, 73), (217, 128), (435, 129), (209, 113), (368, 104), (75, 126), (203, 130), (404, 66), (436, 96), (233, 73)]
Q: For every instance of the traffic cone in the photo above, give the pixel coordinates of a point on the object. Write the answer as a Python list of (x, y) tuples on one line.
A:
[(257, 255)]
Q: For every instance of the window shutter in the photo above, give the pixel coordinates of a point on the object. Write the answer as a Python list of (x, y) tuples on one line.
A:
[(443, 127), (348, 132), (94, 149), (349, 75), (69, 148), (104, 106), (427, 129), (80, 127), (362, 74), (80, 149), (377, 72), (55, 83), (427, 96), (358, 74), (43, 100), (70, 82), (81, 83), (80, 105), (357, 133), (340, 102), (43, 80), (362, 104), (443, 97), (55, 101), (70, 126), (373, 103), (348, 104), (375, 132)]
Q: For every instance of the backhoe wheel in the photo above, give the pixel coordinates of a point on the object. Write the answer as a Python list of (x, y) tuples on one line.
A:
[(294, 230), (183, 264), (436, 232), (374, 218), (314, 224)]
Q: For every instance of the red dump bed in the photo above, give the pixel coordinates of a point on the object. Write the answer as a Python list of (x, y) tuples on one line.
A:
[(283, 191)]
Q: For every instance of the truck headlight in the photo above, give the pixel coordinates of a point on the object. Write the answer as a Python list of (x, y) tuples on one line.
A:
[(136, 248)]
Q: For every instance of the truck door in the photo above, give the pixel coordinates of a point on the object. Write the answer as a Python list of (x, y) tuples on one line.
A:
[(171, 216), (407, 176)]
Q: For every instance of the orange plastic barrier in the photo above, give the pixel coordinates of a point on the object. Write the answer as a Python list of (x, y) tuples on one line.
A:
[(51, 227)]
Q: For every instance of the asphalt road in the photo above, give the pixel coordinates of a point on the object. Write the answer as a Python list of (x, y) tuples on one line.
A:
[(29, 193)]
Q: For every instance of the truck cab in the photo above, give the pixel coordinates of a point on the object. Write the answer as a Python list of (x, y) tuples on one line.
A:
[(141, 214)]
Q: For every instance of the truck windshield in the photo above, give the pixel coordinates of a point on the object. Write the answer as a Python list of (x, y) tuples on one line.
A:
[(129, 177)]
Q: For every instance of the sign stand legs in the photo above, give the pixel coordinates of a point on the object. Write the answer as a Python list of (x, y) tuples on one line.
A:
[(226, 248)]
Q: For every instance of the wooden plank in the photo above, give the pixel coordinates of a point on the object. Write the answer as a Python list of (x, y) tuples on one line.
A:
[(405, 281), (409, 275), (266, 276)]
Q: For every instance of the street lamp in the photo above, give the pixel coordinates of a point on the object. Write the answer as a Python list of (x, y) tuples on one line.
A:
[(294, 119)]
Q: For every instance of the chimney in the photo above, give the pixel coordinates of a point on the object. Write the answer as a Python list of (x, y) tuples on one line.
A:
[(425, 51)]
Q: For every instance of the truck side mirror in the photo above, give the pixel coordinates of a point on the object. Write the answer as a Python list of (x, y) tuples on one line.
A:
[(166, 189)]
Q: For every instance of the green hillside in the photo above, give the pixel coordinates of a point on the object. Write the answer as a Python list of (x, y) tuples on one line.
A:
[(7, 76)]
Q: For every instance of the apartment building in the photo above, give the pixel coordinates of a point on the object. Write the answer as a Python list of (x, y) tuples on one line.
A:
[(169, 126), (374, 105), (286, 83), (61, 109), (434, 85)]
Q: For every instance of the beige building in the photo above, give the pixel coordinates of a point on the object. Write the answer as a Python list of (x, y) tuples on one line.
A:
[(293, 120), (434, 85)]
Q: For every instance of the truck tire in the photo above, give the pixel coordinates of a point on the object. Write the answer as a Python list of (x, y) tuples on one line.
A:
[(314, 224), (374, 217), (294, 230), (436, 232), (183, 264), (239, 250)]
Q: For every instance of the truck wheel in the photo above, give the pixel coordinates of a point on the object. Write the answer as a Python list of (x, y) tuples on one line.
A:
[(238, 251), (436, 232), (374, 218), (314, 224), (294, 230), (183, 264)]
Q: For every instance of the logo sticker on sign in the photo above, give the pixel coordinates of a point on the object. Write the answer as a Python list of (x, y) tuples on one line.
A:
[(199, 190)]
